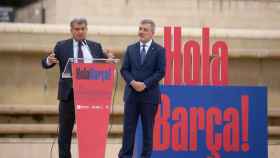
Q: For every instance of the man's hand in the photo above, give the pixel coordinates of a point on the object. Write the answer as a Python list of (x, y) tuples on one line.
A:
[(138, 86), (51, 59), (109, 54)]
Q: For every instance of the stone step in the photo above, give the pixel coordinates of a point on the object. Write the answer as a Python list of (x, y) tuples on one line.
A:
[(274, 130), (32, 114), (42, 148), (42, 110), (52, 129), (46, 129), (53, 110), (274, 112), (49, 126), (48, 114), (47, 147)]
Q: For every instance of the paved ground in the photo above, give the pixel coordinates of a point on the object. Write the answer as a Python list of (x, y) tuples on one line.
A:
[(41, 148)]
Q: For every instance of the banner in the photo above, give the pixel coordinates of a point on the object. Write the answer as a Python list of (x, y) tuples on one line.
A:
[(93, 86), (210, 122)]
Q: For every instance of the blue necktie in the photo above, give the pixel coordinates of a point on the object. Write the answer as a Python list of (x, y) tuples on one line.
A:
[(143, 53)]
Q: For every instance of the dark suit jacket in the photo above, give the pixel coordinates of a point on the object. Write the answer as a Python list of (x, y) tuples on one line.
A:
[(150, 72), (63, 51)]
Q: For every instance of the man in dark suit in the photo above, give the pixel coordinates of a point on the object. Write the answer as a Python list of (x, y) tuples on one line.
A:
[(76, 47), (143, 68)]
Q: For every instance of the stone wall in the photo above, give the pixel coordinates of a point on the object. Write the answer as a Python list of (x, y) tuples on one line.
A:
[(254, 58), (260, 14)]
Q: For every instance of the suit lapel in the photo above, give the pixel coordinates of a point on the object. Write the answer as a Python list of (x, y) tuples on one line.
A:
[(149, 53), (137, 55), (91, 48), (70, 49)]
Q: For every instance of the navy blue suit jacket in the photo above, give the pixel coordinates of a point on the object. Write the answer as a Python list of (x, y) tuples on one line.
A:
[(63, 51), (150, 72)]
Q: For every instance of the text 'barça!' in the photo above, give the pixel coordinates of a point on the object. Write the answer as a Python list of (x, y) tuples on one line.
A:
[(182, 133)]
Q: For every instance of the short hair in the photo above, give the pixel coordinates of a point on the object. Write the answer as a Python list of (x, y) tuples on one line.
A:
[(149, 21), (78, 21)]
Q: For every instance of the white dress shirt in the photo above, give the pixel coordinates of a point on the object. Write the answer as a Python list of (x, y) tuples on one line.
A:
[(147, 45), (85, 49)]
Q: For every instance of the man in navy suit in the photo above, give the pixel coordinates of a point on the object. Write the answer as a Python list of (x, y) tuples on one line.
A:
[(142, 69), (76, 47)]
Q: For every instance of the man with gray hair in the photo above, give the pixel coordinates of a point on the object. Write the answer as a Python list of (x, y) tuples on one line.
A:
[(142, 69), (76, 47)]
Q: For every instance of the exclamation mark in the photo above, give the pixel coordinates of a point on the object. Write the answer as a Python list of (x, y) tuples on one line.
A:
[(245, 113)]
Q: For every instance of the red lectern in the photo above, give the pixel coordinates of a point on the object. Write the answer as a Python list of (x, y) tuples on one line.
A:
[(93, 84)]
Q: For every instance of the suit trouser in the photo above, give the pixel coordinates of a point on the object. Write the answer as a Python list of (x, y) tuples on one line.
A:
[(132, 111), (66, 124)]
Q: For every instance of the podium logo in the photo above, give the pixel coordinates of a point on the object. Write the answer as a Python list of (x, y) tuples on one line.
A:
[(96, 107), (80, 107), (93, 74)]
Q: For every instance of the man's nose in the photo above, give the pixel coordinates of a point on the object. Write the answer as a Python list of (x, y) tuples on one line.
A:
[(141, 31)]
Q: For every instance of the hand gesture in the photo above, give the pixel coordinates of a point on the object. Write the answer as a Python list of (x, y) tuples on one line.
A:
[(52, 59)]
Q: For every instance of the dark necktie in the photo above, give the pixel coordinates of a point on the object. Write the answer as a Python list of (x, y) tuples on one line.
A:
[(143, 53), (80, 52)]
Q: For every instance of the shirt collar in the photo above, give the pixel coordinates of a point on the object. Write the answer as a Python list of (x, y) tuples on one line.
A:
[(147, 44), (77, 42)]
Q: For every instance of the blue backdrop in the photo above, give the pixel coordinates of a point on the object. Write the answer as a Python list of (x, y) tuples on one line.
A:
[(219, 99)]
